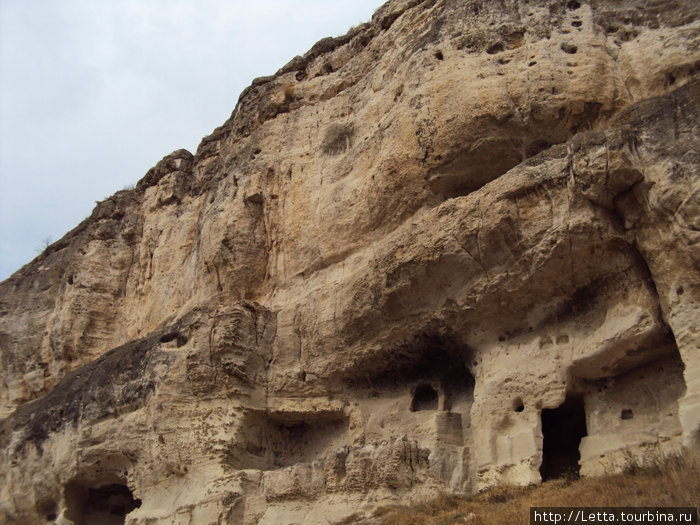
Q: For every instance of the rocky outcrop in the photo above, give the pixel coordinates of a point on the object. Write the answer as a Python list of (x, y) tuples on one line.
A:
[(454, 248)]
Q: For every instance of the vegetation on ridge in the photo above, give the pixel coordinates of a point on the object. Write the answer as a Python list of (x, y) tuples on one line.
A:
[(669, 482)]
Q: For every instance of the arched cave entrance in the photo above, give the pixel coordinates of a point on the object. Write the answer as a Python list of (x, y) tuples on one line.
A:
[(106, 504), (424, 398), (562, 430)]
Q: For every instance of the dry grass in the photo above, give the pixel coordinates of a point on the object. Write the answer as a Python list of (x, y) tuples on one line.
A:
[(666, 482)]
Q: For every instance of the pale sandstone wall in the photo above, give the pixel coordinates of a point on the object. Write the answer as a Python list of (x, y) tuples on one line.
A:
[(374, 279)]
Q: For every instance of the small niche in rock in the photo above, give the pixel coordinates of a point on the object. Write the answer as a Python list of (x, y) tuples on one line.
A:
[(173, 339), (563, 428), (493, 49), (518, 405), (626, 413), (569, 48), (573, 5), (439, 55), (424, 398), (106, 504)]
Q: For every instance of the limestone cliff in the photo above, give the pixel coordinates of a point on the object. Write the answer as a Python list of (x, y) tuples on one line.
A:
[(455, 247)]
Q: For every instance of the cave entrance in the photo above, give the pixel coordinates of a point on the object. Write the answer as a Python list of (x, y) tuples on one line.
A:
[(562, 430), (269, 441), (424, 398), (104, 505)]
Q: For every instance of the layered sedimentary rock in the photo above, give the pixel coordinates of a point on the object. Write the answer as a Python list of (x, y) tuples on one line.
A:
[(455, 247)]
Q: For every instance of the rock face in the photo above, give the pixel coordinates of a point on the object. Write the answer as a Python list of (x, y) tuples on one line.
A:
[(455, 247)]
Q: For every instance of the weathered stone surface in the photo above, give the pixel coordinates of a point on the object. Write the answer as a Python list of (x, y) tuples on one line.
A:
[(406, 262)]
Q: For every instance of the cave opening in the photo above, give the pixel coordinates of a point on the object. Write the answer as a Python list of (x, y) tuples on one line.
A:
[(458, 385), (424, 398), (273, 441), (429, 357), (106, 504), (562, 430)]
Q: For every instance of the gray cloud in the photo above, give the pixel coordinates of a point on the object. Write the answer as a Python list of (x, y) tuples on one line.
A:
[(92, 94)]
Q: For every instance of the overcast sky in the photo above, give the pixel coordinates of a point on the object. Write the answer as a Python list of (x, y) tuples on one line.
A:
[(95, 92)]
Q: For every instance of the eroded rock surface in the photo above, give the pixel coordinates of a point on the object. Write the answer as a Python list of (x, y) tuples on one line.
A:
[(455, 247)]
